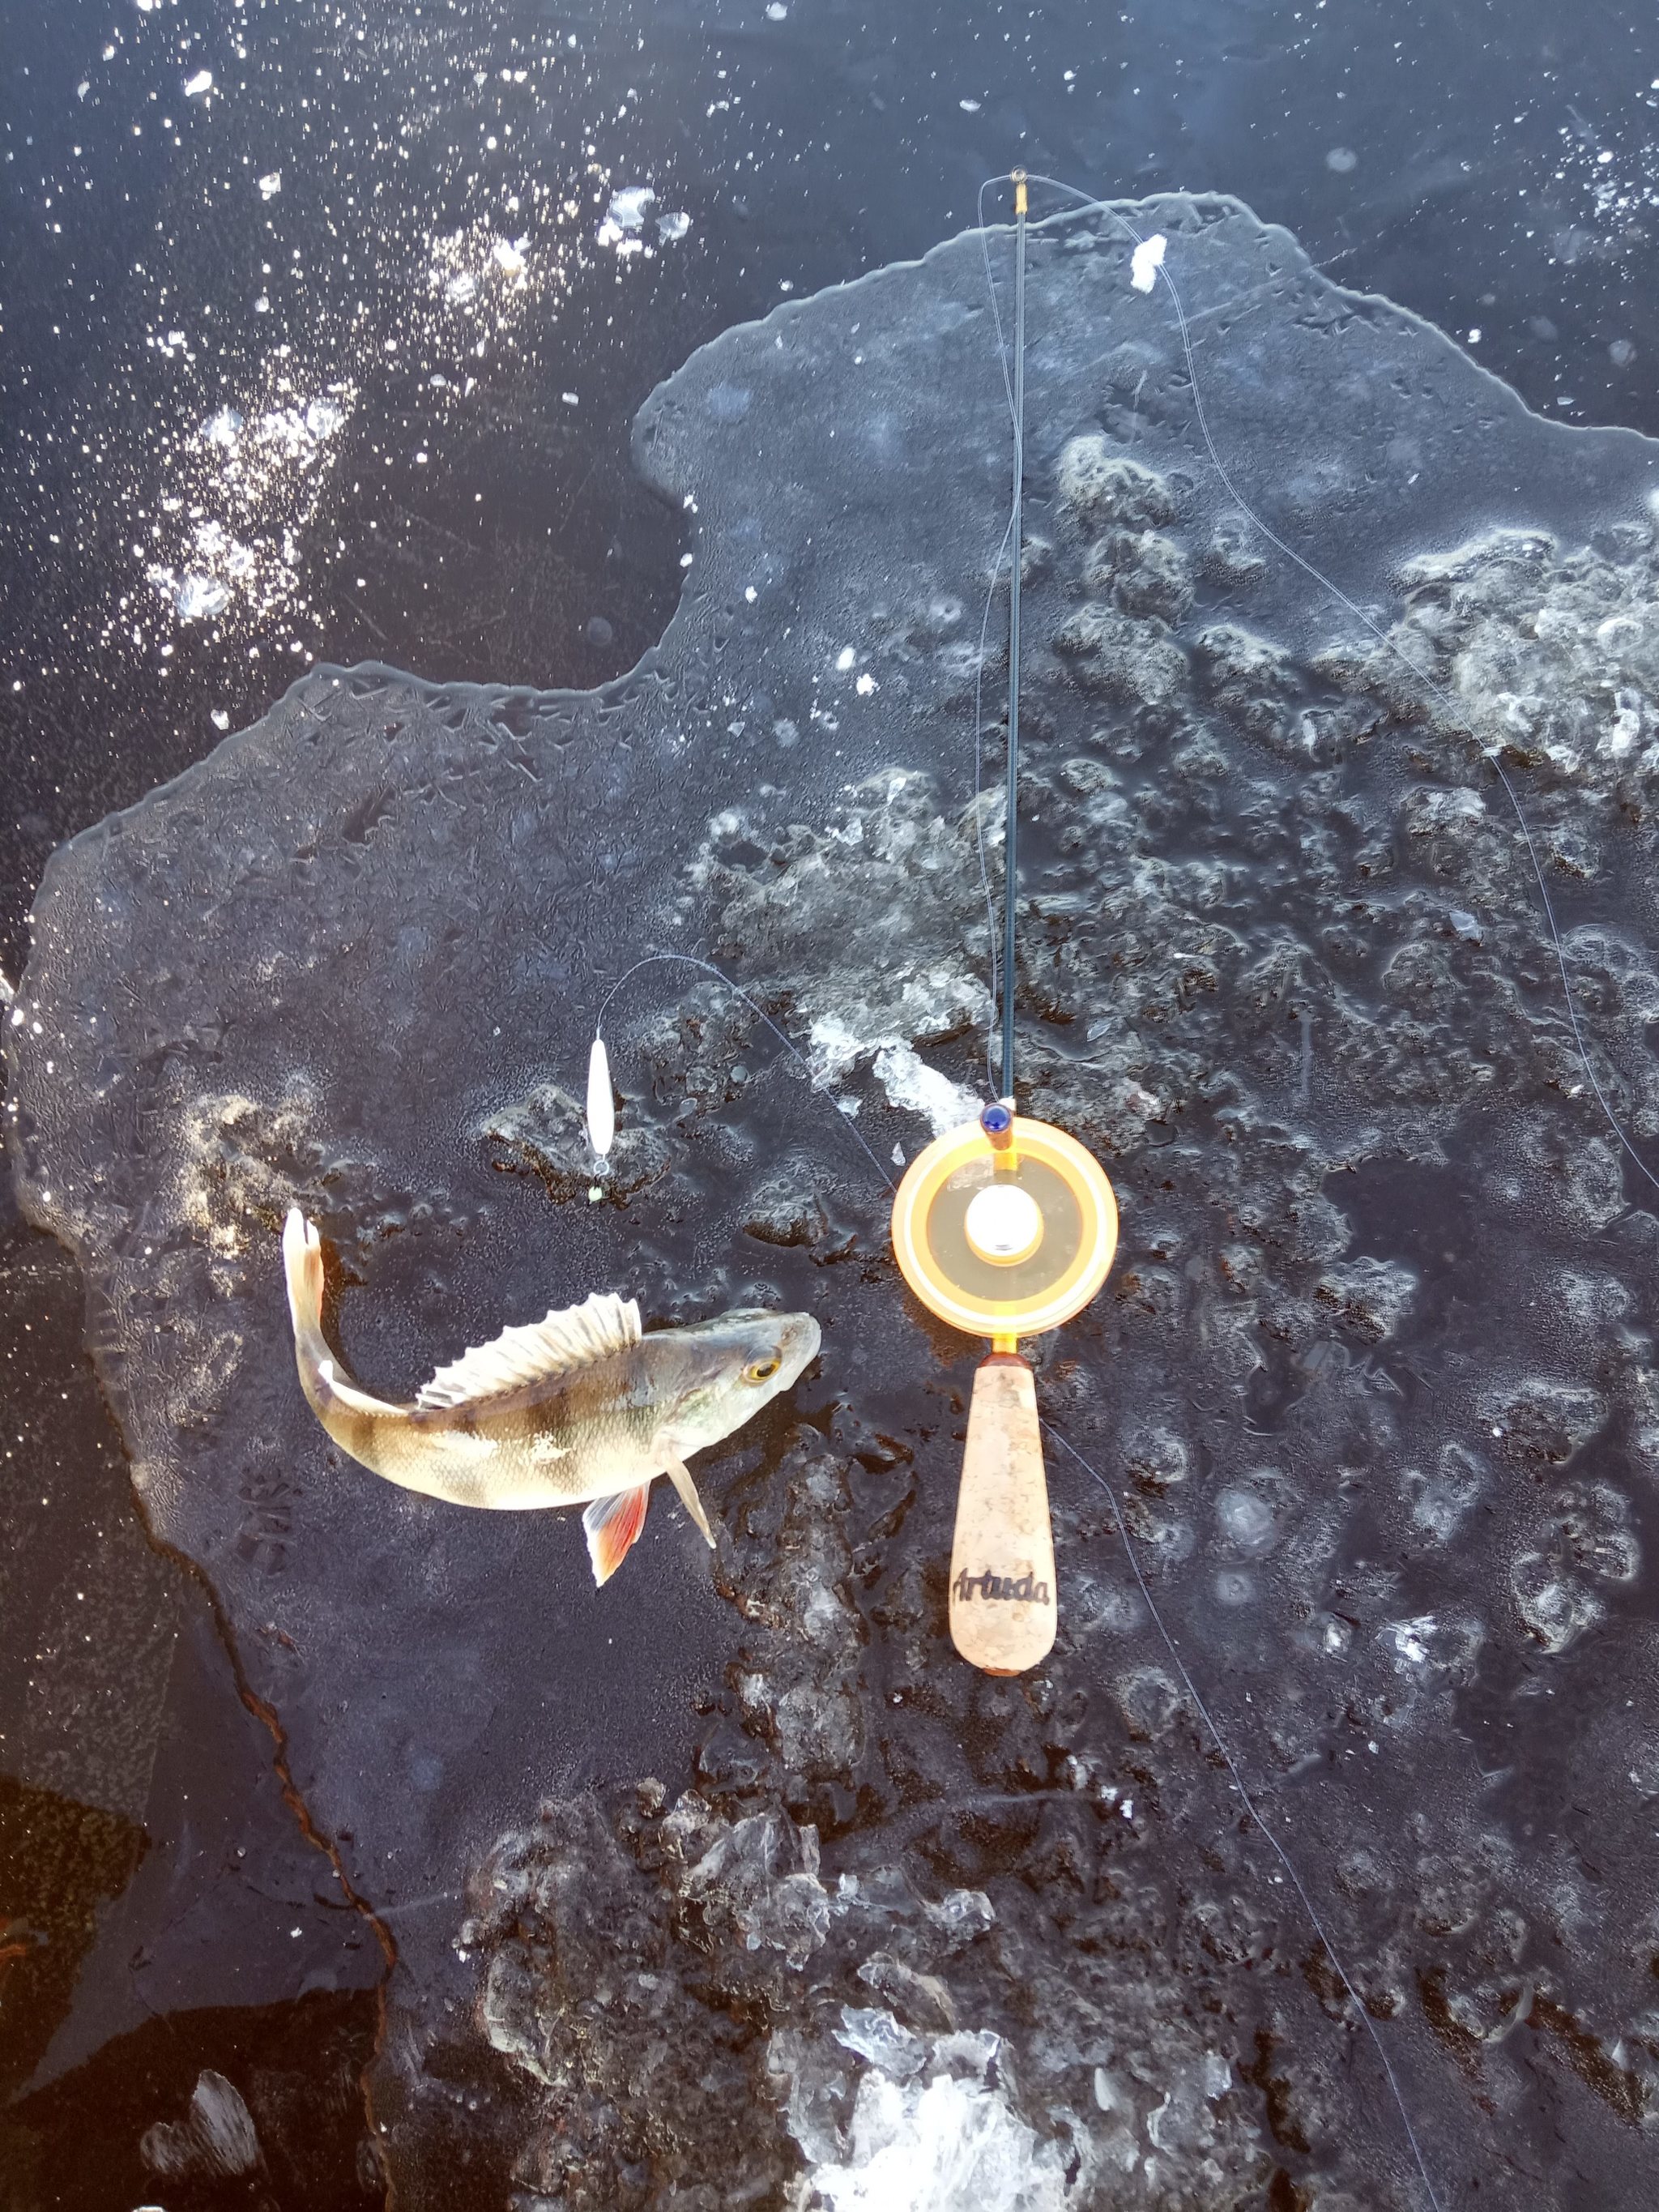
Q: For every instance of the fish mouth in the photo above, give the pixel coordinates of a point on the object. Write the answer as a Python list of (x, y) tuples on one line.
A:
[(799, 1340)]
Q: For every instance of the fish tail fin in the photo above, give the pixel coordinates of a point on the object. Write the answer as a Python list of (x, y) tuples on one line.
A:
[(360, 1424), (302, 1261)]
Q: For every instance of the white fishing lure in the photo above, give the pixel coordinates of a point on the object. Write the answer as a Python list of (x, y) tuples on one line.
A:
[(601, 1106)]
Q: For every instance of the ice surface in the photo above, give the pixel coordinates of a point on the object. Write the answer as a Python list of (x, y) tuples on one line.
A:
[(216, 2138), (1377, 1345), (881, 2040), (949, 2147)]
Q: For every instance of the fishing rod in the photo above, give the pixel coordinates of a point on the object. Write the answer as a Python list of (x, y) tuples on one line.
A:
[(1005, 1228), (1010, 818)]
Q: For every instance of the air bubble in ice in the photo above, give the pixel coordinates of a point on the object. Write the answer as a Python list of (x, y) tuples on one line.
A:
[(1247, 1521)]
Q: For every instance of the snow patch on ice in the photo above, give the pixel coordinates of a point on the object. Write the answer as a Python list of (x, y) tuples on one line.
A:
[(1146, 262), (915, 1088), (946, 2146)]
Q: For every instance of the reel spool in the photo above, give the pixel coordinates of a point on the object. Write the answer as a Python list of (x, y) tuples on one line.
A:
[(1004, 1228)]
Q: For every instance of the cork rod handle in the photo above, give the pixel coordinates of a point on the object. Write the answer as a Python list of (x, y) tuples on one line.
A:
[(1003, 1608)]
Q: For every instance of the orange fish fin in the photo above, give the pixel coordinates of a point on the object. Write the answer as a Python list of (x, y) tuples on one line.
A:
[(612, 1524)]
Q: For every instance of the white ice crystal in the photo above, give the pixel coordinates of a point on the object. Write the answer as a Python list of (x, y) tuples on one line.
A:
[(1146, 262), (949, 2146)]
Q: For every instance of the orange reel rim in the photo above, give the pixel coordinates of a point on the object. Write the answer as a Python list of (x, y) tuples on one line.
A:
[(967, 1154)]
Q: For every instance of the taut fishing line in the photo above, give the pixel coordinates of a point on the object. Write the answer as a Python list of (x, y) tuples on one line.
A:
[(600, 1068)]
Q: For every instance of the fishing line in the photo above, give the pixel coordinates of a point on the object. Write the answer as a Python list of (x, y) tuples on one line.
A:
[(1014, 390), (1011, 814), (1253, 1809), (979, 814), (690, 960), (707, 968), (1436, 690)]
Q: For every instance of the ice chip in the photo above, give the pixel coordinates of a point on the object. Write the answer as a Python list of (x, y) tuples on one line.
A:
[(1146, 262), (198, 597), (270, 184), (915, 1088), (950, 2146), (626, 210), (881, 2040), (197, 87)]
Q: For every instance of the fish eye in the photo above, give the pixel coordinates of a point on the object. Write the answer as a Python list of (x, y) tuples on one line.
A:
[(761, 1371)]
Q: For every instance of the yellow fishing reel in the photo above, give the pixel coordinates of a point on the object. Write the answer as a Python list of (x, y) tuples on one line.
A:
[(1004, 1228)]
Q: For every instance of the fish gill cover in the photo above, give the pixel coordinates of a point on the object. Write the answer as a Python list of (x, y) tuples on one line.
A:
[(742, 1889)]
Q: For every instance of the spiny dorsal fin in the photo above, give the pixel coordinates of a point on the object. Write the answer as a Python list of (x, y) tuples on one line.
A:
[(572, 1337)]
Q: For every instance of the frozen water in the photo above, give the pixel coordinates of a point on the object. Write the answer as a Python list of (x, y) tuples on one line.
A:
[(624, 218), (880, 2040), (216, 2138), (1377, 1345), (1146, 262), (199, 597), (949, 2147), (915, 1088)]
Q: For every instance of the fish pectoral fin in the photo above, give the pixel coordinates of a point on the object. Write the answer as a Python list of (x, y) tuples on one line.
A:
[(680, 1475), (612, 1524)]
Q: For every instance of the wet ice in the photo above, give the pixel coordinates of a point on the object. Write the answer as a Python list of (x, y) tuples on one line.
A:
[(1373, 1371)]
